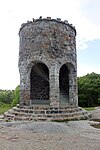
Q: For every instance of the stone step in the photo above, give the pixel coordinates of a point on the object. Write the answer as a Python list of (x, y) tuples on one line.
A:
[(43, 118), (15, 113), (28, 114), (45, 114), (38, 106), (48, 111)]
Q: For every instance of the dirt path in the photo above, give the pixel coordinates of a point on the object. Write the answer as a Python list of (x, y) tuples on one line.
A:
[(74, 135)]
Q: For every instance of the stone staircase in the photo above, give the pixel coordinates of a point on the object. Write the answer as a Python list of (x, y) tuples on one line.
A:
[(40, 112)]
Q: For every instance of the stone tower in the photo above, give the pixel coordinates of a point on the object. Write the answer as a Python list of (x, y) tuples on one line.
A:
[(48, 63), (48, 72)]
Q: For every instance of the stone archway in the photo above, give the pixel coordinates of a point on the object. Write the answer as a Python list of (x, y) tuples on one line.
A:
[(39, 84), (64, 84)]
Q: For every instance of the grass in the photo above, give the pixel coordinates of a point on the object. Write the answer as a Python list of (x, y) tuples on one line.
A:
[(89, 108), (4, 108), (96, 126), (96, 120)]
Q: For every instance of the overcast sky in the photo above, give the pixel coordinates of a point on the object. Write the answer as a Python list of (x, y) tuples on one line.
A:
[(83, 14)]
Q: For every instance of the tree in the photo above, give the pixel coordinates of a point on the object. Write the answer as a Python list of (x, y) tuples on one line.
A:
[(89, 90), (6, 96), (16, 96)]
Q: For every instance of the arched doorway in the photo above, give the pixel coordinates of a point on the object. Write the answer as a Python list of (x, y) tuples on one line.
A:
[(64, 84), (39, 84)]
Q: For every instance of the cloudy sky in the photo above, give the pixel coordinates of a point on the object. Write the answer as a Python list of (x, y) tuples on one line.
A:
[(83, 14)]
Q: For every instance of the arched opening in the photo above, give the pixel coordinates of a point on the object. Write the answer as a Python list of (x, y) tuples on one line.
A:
[(64, 84), (39, 84)]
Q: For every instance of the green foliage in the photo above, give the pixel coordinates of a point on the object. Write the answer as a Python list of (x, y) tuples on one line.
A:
[(89, 108), (96, 125), (89, 90), (8, 99), (6, 96), (16, 97), (4, 107)]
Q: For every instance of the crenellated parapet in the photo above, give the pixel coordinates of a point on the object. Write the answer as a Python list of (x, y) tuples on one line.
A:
[(58, 20)]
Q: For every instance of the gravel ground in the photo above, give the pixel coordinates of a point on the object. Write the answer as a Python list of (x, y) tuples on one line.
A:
[(73, 135)]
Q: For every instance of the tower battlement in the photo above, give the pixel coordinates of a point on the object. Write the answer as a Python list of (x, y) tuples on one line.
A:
[(58, 20)]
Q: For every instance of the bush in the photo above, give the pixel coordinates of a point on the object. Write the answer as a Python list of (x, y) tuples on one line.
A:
[(16, 96), (4, 107), (89, 90)]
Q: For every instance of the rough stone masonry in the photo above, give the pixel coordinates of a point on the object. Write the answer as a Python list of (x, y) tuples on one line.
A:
[(48, 63)]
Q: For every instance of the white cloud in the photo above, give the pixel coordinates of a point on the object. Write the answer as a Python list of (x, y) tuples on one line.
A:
[(91, 10), (88, 25)]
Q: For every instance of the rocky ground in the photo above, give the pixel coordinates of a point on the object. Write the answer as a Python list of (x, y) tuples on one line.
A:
[(72, 135)]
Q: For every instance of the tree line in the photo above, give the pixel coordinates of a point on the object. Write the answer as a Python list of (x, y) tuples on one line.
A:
[(10, 97), (88, 92)]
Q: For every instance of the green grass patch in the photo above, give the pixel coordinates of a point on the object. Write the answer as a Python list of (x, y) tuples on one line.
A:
[(96, 120), (96, 126), (89, 108), (4, 108)]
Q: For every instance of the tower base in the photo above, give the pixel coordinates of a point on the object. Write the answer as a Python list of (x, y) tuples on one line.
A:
[(46, 113)]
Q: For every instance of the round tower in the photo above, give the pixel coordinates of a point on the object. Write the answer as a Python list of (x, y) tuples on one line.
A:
[(48, 63)]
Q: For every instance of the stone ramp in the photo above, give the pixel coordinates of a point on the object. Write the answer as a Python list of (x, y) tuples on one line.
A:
[(46, 113)]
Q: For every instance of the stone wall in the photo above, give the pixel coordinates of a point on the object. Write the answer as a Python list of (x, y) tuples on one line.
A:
[(50, 42)]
